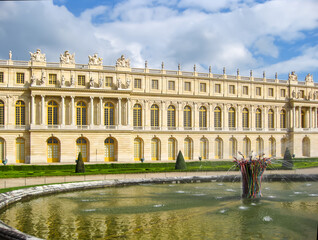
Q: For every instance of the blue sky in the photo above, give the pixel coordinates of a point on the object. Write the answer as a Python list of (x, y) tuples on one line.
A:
[(273, 36)]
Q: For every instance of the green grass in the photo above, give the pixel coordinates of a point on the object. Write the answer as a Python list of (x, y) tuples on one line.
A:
[(16, 171)]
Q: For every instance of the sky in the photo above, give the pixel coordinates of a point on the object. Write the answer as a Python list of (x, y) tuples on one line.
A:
[(272, 36)]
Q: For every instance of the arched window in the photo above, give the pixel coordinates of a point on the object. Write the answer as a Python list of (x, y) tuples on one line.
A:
[(82, 146), (108, 114), (53, 150), (81, 111), (1, 112), (20, 150), (258, 118), (245, 118), (171, 117), (272, 147), (187, 149), (20, 113), (137, 115), (271, 122), (109, 145), (137, 149), (306, 147), (259, 146), (172, 149), (187, 117), (217, 118), (52, 113), (202, 117), (303, 120), (2, 150), (283, 144), (204, 148), (246, 147), (233, 147), (154, 116), (155, 149), (218, 148), (232, 119), (283, 119)]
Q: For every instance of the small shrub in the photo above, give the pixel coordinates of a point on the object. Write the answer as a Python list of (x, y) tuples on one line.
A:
[(180, 163), (288, 160), (80, 168)]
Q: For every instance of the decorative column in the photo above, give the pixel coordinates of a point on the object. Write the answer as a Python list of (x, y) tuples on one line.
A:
[(101, 110), (72, 110), (180, 118), (226, 116), (119, 112), (252, 118), (92, 111), (63, 110), (42, 109), (239, 118), (315, 117), (276, 119), (299, 117), (163, 120), (212, 117), (32, 110), (294, 117), (128, 112), (310, 117), (265, 118), (194, 117)]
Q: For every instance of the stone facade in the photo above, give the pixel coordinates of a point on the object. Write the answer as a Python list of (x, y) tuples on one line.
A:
[(51, 111)]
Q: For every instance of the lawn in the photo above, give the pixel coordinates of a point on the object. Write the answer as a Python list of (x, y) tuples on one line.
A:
[(16, 171)]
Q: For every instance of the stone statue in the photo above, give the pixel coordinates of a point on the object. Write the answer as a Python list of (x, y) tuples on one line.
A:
[(162, 65), (33, 80), (146, 64), (122, 62), (10, 55), (37, 56), (264, 74), (91, 82), (210, 69), (251, 73), (127, 82), (62, 81), (67, 58), (276, 75), (72, 81), (42, 78), (309, 78), (238, 72), (95, 60), (292, 76), (118, 83), (101, 82), (294, 94), (194, 68), (179, 67)]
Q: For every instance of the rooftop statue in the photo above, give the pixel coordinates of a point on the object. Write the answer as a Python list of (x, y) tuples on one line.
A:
[(67, 58), (95, 60), (37, 56), (122, 62), (309, 78), (292, 76)]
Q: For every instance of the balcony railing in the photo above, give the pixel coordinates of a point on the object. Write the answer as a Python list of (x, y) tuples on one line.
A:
[(15, 127), (187, 128), (172, 128), (203, 128), (155, 128), (246, 129), (138, 128)]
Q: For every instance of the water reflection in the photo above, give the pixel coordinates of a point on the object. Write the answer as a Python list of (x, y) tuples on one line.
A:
[(189, 211)]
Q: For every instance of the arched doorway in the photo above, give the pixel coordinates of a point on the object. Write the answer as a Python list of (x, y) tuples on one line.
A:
[(172, 149), (53, 150), (246, 147), (204, 148), (82, 146), (272, 147), (2, 150), (233, 147), (110, 148), (20, 150), (218, 148), (155, 149), (138, 149), (187, 149), (306, 147)]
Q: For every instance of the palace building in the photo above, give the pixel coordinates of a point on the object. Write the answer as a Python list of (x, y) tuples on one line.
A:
[(49, 112)]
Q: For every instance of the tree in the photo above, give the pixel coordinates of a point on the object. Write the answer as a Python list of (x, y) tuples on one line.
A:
[(180, 163), (80, 168), (288, 160)]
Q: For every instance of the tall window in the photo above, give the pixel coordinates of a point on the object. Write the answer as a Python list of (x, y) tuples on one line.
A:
[(204, 148), (19, 113), (137, 83), (271, 92), (1, 77), (218, 148), (258, 118), (187, 86), (53, 150), (171, 85), (20, 150), (52, 113), (109, 145), (232, 119), (52, 78), (245, 117), (232, 89), (1, 150), (258, 91), (272, 147), (187, 149), (108, 81), (137, 115), (155, 149), (81, 80), (283, 93), (108, 114), (1, 112), (137, 149), (259, 146), (171, 149), (82, 146), (217, 88), (155, 84), (245, 90), (202, 87), (246, 147), (283, 143), (20, 78), (81, 114), (283, 119), (217, 118), (154, 116), (202, 117), (271, 122), (303, 122), (187, 117), (171, 117), (233, 147)]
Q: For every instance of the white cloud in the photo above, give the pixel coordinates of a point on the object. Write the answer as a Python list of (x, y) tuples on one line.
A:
[(265, 46)]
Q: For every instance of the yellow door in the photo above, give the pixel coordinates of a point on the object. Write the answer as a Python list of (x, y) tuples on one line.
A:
[(154, 149), (203, 146), (109, 150), (137, 149), (1, 150), (53, 150), (20, 151), (171, 149), (187, 149), (81, 145)]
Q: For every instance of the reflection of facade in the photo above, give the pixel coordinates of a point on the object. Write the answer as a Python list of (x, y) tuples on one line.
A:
[(94, 109)]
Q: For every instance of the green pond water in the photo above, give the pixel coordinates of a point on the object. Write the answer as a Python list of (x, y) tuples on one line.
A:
[(172, 211)]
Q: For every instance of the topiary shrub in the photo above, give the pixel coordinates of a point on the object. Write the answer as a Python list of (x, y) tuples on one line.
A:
[(180, 163), (288, 160), (80, 168)]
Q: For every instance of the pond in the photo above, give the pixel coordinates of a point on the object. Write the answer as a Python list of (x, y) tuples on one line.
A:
[(172, 211)]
